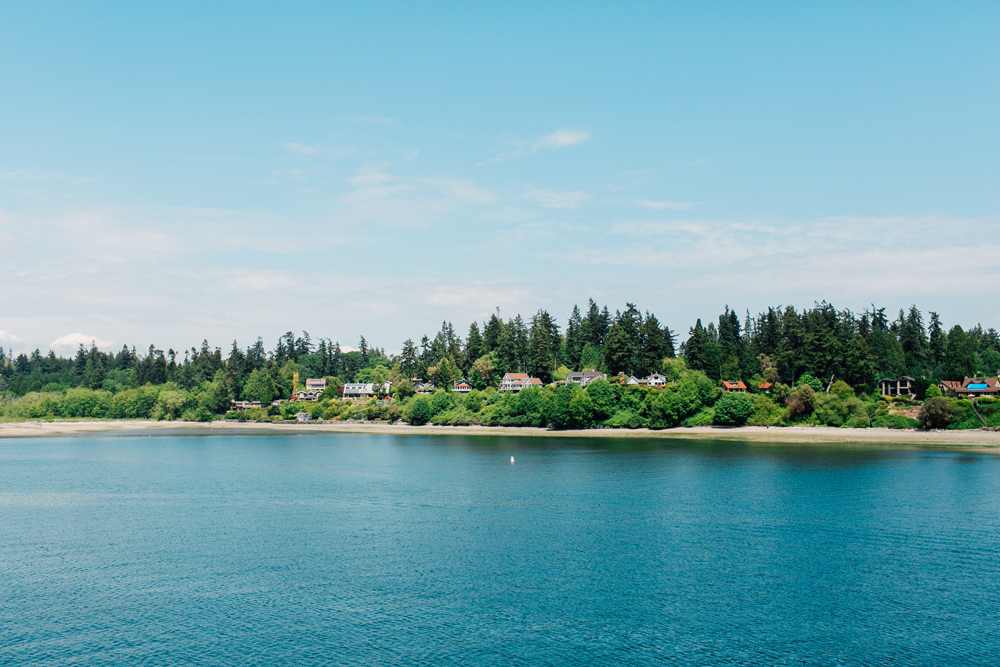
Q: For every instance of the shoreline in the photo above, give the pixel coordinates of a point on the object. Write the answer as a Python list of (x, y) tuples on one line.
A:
[(985, 441)]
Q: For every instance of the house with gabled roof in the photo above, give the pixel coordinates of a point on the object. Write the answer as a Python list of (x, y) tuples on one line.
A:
[(316, 384), (583, 378), (656, 380), (515, 382), (306, 395), (734, 385), (978, 387)]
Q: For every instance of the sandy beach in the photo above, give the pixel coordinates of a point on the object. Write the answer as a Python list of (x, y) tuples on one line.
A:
[(986, 441)]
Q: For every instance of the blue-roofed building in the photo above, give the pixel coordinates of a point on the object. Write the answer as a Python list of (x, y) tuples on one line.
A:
[(973, 388)]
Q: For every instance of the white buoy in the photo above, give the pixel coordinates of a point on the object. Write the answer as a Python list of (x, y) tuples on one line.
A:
[(512, 459)]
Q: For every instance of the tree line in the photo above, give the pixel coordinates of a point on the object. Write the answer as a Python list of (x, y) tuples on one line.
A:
[(780, 344)]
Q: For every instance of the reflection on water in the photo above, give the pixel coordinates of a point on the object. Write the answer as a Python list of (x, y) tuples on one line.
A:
[(360, 549)]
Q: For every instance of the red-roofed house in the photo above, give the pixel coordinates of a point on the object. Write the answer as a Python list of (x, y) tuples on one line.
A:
[(729, 385), (766, 387)]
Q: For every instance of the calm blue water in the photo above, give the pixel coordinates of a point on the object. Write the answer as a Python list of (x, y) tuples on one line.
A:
[(354, 549)]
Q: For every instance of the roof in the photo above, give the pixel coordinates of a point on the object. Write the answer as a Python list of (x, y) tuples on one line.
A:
[(463, 384), (765, 385), (980, 383), (516, 376), (534, 380), (733, 385)]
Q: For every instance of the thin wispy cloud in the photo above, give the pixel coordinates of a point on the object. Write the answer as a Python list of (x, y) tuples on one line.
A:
[(373, 183), (262, 280), (465, 191), (664, 205), (562, 139), (559, 139), (557, 198), (296, 147)]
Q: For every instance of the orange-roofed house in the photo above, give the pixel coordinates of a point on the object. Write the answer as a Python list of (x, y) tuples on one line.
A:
[(766, 387), (729, 385)]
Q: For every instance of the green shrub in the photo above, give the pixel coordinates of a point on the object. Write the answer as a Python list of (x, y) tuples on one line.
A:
[(625, 419), (808, 380), (935, 413), (474, 401), (894, 421), (706, 417), (673, 404), (837, 410), (251, 415), (602, 399), (800, 401), (766, 412), (733, 409), (963, 417), (420, 412)]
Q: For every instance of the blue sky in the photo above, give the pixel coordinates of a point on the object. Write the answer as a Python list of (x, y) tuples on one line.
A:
[(174, 171)]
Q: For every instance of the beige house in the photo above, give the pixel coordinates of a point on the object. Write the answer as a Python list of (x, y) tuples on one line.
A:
[(515, 382), (901, 386), (316, 384)]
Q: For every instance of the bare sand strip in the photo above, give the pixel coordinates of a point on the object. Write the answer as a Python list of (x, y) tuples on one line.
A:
[(983, 441)]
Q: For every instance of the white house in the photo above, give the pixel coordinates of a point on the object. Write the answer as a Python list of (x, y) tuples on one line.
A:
[(515, 382), (362, 389), (656, 380), (462, 387)]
